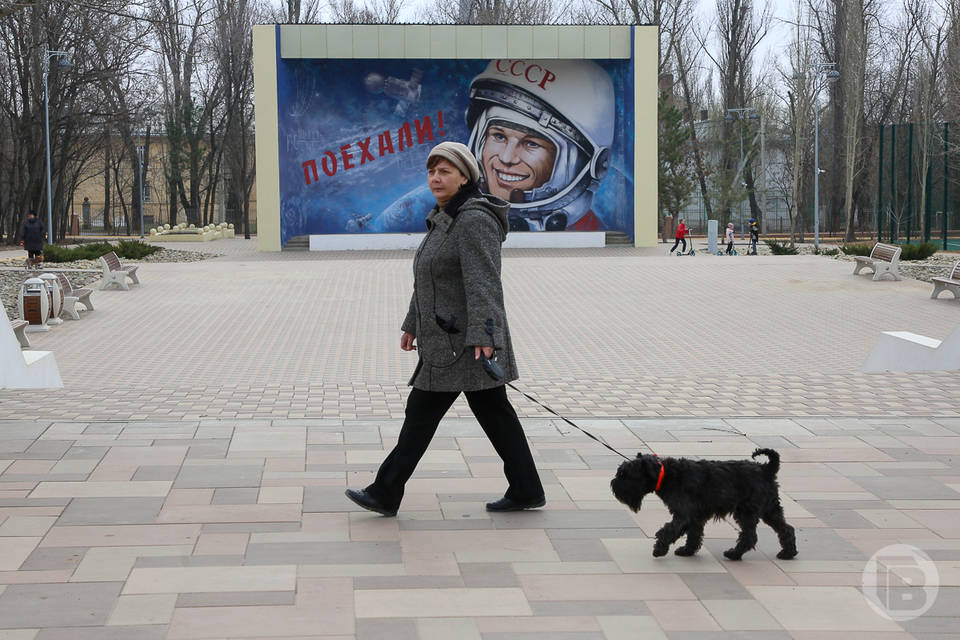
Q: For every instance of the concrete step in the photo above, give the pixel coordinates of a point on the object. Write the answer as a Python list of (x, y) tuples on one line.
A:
[(297, 243), (617, 237)]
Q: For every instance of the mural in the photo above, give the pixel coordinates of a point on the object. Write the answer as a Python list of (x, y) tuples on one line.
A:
[(552, 137)]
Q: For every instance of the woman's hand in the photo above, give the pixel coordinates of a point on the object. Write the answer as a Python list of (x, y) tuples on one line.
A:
[(487, 351), (406, 342)]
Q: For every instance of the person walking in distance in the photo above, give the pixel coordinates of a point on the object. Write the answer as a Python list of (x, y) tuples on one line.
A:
[(754, 236), (680, 236), (458, 326), (32, 239)]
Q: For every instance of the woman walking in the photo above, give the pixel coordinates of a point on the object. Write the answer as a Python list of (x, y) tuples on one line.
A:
[(458, 322)]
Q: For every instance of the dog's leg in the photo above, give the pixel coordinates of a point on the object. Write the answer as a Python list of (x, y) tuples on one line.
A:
[(748, 535), (667, 535), (788, 538), (694, 540)]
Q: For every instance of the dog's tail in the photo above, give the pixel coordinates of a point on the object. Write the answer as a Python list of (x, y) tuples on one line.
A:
[(773, 466)]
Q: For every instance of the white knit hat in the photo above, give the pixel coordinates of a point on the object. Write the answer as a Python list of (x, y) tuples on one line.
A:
[(459, 156)]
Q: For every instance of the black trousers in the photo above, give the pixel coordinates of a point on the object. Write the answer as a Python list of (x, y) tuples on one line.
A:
[(678, 241), (423, 414)]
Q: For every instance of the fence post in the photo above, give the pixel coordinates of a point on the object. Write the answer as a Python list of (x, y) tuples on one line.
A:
[(880, 190), (909, 180), (946, 181), (893, 179)]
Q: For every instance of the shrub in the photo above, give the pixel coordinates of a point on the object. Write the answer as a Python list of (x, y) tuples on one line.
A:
[(129, 249), (917, 251), (826, 252), (134, 249), (907, 251), (781, 248), (857, 249)]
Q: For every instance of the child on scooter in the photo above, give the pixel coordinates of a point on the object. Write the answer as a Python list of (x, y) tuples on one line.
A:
[(682, 231)]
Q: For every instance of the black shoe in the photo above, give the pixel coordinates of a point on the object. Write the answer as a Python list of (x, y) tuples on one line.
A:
[(506, 504), (368, 502)]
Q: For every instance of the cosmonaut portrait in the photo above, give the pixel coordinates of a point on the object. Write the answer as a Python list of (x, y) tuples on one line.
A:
[(541, 131)]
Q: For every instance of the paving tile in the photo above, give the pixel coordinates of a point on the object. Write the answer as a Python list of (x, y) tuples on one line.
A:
[(229, 513), (143, 610), (604, 587), (140, 632), (100, 489), (121, 535), (321, 604), (637, 557), (446, 628), (821, 609), (54, 559), (740, 615), (213, 476), (235, 496), (715, 586), (57, 605), (14, 551), (26, 525), (83, 511), (478, 574), (200, 579), (324, 553), (426, 603), (235, 598)]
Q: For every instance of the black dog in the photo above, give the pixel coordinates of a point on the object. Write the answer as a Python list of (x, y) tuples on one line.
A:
[(695, 491)]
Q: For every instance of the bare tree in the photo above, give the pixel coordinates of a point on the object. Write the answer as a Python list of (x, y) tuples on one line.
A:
[(233, 43), (191, 91), (491, 12), (371, 12)]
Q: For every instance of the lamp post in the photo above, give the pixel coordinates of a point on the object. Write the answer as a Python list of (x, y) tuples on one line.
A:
[(64, 62), (741, 114), (825, 73)]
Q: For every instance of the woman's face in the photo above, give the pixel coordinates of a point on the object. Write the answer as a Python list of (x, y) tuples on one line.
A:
[(444, 181), (515, 159)]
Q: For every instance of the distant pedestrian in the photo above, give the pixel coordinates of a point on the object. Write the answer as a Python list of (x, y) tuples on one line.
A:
[(32, 239), (754, 237), (682, 231), (729, 238)]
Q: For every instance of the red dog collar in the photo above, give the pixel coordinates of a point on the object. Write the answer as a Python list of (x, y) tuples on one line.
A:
[(660, 478)]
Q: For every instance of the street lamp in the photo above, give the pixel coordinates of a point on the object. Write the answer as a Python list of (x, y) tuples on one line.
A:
[(65, 63), (741, 114), (149, 113), (825, 73)]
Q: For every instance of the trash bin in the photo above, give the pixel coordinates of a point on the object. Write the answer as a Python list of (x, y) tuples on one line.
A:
[(33, 304), (56, 297)]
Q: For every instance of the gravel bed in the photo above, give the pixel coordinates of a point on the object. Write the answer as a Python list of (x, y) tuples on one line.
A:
[(11, 279)]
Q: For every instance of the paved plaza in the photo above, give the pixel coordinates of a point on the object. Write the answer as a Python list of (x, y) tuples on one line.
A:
[(188, 480)]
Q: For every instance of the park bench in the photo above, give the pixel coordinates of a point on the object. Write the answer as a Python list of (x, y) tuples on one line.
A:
[(884, 260), (19, 329), (951, 283), (116, 273), (72, 296)]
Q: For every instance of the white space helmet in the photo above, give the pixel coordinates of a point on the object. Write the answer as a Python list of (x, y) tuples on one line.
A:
[(570, 103)]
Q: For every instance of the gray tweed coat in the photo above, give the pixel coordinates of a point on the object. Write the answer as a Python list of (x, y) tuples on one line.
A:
[(458, 298)]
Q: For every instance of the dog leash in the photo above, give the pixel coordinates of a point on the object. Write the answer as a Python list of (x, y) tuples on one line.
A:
[(576, 426), (590, 435)]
